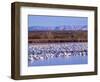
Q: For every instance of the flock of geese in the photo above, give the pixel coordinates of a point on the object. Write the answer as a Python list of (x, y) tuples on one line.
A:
[(33, 57), (46, 51)]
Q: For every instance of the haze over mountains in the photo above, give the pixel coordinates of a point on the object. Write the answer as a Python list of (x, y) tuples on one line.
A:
[(58, 28)]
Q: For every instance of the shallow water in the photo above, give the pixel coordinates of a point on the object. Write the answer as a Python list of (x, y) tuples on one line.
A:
[(60, 61)]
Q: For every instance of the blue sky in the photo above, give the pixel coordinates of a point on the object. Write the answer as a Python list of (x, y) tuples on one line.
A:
[(53, 21)]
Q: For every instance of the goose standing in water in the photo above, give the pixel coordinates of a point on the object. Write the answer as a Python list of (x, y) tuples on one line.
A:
[(30, 58)]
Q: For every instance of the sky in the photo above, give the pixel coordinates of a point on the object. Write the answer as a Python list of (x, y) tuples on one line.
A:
[(54, 21)]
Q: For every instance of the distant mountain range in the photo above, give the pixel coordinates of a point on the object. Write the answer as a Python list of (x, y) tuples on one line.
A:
[(58, 28)]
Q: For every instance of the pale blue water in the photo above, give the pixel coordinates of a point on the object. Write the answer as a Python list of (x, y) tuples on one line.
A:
[(60, 61)]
